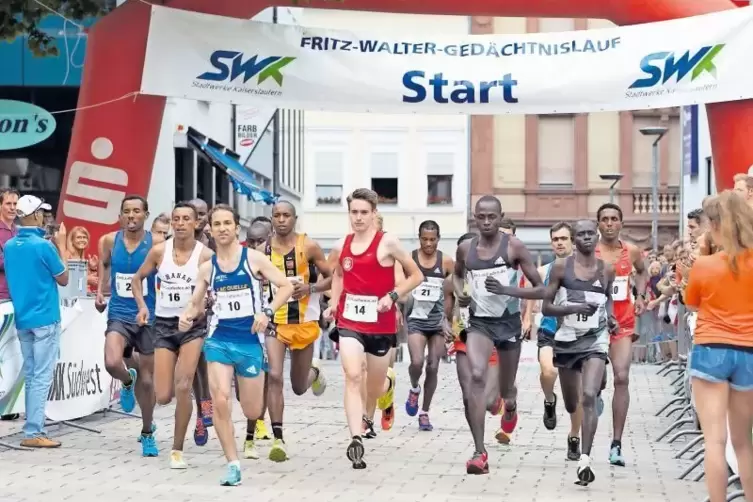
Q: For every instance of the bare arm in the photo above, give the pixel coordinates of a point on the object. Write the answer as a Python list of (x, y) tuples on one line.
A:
[(458, 278), (195, 307), (641, 276), (271, 273), (316, 255), (609, 272), (104, 250), (337, 274), (152, 261), (414, 277), (555, 279), (449, 298), (522, 257)]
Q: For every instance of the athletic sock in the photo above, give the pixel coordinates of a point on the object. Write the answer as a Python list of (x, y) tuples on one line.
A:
[(416, 390), (250, 433), (277, 430), (130, 382), (616, 443), (236, 463)]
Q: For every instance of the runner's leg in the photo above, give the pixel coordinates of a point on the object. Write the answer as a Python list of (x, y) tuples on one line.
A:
[(478, 349), (416, 350), (185, 369), (164, 375), (200, 388), (145, 394), (463, 368), (592, 373), (302, 372), (436, 351), (547, 378), (276, 356), (115, 346), (376, 375), (220, 377), (620, 355), (352, 358), (491, 391), (509, 358)]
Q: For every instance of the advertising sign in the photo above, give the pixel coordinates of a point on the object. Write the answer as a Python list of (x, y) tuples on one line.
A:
[(23, 124)]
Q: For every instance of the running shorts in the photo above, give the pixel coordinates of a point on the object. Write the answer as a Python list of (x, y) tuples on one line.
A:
[(140, 338), (247, 359), (505, 332), (377, 345), (167, 336), (459, 346), (298, 336)]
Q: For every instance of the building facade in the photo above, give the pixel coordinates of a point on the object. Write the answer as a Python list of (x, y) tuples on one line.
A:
[(547, 168), (417, 164)]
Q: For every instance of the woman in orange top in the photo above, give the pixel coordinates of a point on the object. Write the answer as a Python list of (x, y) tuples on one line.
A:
[(720, 287)]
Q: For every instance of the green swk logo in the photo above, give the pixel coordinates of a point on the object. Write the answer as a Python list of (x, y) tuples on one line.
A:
[(663, 66), (229, 65)]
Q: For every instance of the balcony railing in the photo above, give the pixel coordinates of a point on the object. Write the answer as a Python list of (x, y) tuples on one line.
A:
[(669, 202)]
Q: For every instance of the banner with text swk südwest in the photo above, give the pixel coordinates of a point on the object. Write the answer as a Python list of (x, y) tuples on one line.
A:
[(657, 65)]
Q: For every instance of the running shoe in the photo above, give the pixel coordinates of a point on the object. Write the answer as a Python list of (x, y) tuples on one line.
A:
[(573, 448), (261, 432), (368, 428), (200, 433), (387, 399), (319, 385), (507, 426), (585, 474), (207, 412), (411, 404), (599, 404), (278, 453), (478, 464), (176, 460), (154, 428), (232, 476), (424, 424), (550, 414), (615, 455), (498, 406), (148, 446), (127, 396), (249, 450), (388, 418), (355, 453)]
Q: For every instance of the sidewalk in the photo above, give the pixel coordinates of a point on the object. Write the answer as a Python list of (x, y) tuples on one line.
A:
[(403, 464)]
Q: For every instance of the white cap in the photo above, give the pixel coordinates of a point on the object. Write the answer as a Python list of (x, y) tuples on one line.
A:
[(28, 205)]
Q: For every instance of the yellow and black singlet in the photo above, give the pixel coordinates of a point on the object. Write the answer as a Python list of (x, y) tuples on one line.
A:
[(296, 267)]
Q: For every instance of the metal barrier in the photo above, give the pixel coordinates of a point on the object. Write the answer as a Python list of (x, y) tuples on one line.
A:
[(682, 409)]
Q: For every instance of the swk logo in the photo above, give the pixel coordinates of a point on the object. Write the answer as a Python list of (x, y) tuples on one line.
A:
[(102, 205)]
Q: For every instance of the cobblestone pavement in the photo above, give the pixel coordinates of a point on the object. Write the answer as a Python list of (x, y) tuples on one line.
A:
[(404, 464)]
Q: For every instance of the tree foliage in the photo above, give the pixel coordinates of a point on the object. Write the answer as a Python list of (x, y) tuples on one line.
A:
[(22, 17)]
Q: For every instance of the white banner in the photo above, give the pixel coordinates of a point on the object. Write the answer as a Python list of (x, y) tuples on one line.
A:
[(685, 61), (80, 384), (250, 124)]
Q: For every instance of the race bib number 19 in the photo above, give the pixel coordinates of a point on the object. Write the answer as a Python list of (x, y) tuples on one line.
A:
[(582, 322), (620, 288), (123, 285), (361, 308)]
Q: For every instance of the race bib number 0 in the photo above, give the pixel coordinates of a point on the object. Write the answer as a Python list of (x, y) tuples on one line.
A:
[(175, 296), (361, 308), (234, 304), (582, 322), (620, 288), (428, 292), (123, 285), (293, 280), (478, 279)]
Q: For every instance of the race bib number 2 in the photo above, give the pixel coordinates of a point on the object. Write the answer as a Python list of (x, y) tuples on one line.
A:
[(620, 288), (361, 308), (123, 285)]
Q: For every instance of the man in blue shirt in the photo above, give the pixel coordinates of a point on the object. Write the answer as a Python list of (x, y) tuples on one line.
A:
[(34, 270)]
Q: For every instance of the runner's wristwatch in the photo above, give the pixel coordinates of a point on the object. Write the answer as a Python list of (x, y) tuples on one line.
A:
[(393, 296), (269, 313)]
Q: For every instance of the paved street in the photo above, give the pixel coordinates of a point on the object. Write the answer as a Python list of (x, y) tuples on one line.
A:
[(403, 464)]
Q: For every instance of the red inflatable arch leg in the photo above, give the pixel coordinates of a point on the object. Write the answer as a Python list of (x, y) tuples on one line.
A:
[(113, 147)]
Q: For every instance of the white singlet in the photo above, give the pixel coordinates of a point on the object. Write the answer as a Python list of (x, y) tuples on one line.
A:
[(175, 283)]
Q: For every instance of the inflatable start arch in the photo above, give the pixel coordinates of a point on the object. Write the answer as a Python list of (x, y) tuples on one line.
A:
[(113, 147)]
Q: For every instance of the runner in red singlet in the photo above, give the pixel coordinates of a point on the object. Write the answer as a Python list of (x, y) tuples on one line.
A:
[(624, 257), (363, 306)]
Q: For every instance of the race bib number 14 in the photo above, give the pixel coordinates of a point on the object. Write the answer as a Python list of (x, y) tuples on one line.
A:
[(361, 308)]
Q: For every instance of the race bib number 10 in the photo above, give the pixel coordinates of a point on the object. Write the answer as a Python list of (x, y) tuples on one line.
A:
[(233, 304), (620, 288), (123, 285), (361, 308)]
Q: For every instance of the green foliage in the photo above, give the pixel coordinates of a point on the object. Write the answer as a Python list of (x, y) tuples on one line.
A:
[(21, 17)]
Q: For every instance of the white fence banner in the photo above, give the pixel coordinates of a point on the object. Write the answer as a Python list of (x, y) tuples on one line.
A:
[(80, 384), (672, 63)]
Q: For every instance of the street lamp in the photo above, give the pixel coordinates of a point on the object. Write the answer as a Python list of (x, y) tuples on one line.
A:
[(659, 133), (614, 178)]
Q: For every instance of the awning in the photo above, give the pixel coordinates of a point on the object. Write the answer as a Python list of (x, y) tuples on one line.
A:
[(228, 161)]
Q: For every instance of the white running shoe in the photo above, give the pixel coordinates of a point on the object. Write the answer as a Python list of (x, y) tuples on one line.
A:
[(585, 473), (176, 460)]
